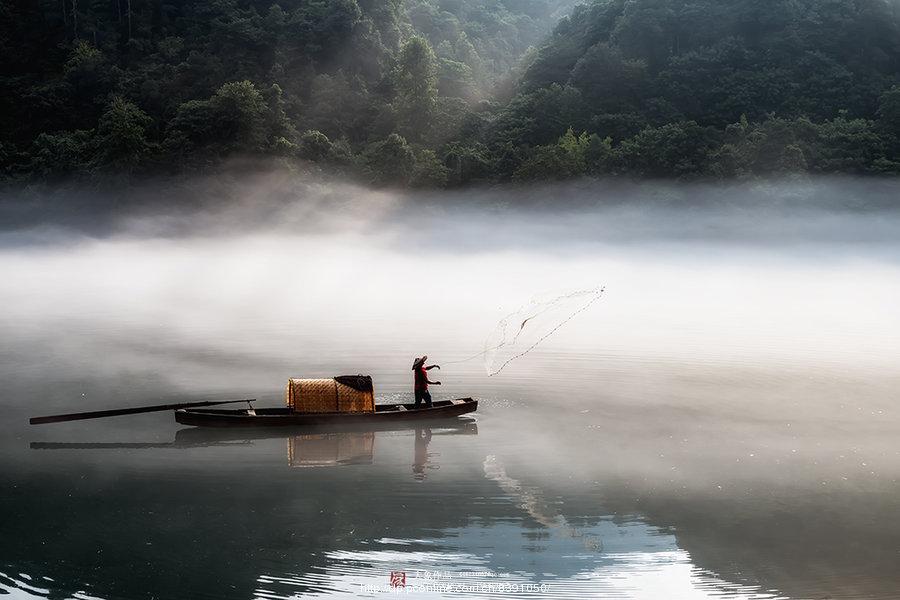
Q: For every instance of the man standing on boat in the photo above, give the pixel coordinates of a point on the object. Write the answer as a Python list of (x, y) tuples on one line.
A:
[(421, 381)]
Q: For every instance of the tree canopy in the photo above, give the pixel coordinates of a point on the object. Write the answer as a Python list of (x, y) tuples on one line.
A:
[(450, 92)]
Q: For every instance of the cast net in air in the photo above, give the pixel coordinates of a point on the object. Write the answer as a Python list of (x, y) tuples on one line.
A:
[(523, 330)]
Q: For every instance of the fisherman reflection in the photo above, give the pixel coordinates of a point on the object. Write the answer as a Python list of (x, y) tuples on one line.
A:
[(420, 459)]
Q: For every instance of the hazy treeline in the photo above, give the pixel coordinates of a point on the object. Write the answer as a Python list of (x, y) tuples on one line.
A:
[(712, 87), (448, 92)]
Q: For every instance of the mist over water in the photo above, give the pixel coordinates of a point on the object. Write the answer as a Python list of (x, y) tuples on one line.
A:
[(721, 423)]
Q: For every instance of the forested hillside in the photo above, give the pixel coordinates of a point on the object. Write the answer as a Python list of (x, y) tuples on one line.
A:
[(711, 87), (449, 92)]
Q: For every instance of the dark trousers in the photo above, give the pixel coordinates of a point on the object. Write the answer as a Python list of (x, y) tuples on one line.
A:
[(423, 395)]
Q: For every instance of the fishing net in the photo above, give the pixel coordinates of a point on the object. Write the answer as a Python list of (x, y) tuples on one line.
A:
[(522, 331)]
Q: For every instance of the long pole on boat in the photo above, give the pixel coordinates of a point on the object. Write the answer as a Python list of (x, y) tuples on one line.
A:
[(99, 414)]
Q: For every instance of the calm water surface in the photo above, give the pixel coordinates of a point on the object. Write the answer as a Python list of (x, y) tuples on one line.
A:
[(722, 424)]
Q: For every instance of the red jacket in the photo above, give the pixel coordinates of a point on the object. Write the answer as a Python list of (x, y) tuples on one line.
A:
[(421, 379)]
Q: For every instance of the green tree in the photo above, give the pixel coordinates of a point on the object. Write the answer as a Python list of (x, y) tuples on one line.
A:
[(674, 149), (315, 146), (415, 82), (277, 124), (455, 79), (338, 105), (233, 119), (389, 161), (538, 117), (192, 128), (240, 112), (467, 162), (122, 135), (847, 146), (572, 155), (61, 154), (87, 69), (428, 170), (605, 76), (889, 111), (319, 29), (88, 78), (774, 146), (888, 125)]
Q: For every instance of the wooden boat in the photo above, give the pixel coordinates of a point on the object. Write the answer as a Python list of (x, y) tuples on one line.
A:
[(342, 401), (285, 417)]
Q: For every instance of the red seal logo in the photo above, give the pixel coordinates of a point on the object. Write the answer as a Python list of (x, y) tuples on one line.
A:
[(398, 579)]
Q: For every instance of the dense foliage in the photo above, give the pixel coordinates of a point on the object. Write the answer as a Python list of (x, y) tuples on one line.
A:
[(723, 87), (447, 92)]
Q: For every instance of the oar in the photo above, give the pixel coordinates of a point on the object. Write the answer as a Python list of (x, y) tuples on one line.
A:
[(129, 445), (99, 414)]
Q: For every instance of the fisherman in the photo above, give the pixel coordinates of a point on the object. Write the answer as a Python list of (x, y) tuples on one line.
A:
[(421, 381)]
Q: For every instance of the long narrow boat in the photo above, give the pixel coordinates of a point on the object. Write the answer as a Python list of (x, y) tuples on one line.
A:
[(282, 417)]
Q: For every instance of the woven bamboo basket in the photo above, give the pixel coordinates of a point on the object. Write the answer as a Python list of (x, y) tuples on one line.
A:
[(330, 396), (330, 449)]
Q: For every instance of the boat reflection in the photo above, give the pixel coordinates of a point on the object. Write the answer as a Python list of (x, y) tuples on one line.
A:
[(203, 435), (331, 449), (306, 447)]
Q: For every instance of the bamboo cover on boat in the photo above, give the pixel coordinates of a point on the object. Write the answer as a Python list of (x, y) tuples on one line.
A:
[(351, 394), (330, 449)]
